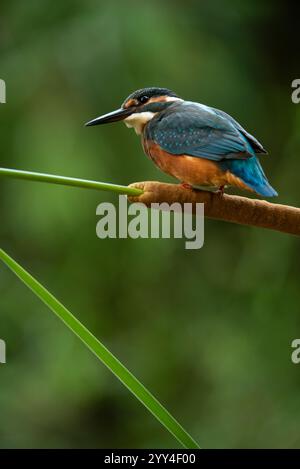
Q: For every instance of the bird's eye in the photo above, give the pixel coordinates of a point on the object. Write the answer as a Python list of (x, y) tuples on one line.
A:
[(143, 99)]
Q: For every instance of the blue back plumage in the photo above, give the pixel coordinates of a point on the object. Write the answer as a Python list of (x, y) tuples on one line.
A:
[(197, 130), (187, 128)]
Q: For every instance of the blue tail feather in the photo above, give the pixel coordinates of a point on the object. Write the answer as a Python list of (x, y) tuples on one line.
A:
[(252, 174)]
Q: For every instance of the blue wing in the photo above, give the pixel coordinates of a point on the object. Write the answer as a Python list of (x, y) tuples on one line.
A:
[(256, 145), (197, 130)]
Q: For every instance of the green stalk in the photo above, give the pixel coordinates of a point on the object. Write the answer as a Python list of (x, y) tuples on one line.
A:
[(101, 352), (68, 181)]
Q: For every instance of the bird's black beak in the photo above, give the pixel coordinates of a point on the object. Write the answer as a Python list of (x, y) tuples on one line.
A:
[(114, 116)]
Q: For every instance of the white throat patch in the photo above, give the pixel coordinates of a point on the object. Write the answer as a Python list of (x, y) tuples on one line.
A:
[(138, 120)]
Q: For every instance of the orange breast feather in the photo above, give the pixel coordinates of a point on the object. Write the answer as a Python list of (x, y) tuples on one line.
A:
[(192, 170)]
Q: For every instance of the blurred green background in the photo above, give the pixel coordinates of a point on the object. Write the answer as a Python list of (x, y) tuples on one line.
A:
[(208, 331)]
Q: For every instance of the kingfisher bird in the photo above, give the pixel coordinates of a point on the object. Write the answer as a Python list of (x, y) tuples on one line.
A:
[(200, 146)]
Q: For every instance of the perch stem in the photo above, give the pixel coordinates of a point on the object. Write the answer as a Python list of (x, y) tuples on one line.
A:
[(231, 208)]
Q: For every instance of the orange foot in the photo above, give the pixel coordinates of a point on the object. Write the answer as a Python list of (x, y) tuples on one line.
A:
[(185, 185), (220, 191)]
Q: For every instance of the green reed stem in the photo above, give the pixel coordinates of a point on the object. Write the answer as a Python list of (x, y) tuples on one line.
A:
[(68, 181), (106, 357)]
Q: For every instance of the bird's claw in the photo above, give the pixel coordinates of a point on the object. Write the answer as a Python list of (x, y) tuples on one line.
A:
[(220, 191), (185, 185)]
